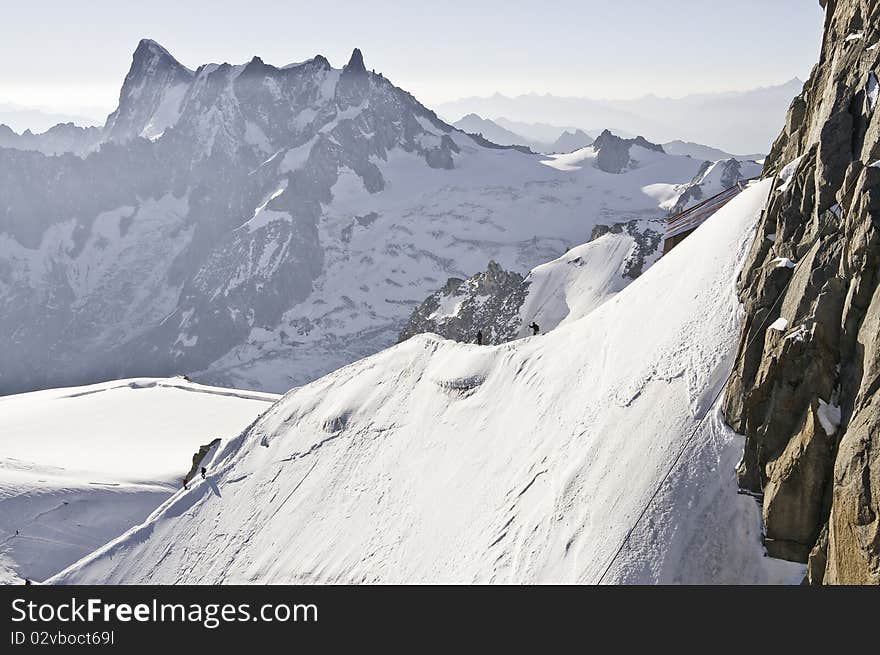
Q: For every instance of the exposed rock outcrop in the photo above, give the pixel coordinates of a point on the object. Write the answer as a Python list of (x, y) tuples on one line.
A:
[(488, 301), (805, 388), (646, 245), (613, 154), (199, 457)]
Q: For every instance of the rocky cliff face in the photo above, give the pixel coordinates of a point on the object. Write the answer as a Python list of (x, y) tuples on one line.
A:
[(489, 301), (806, 388)]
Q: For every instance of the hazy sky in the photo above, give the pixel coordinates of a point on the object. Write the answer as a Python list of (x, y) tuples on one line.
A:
[(68, 55)]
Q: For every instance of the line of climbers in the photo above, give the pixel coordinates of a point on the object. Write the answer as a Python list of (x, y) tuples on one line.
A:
[(185, 481), (534, 327)]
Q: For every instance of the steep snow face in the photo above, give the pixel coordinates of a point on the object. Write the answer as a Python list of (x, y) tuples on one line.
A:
[(277, 223), (435, 461), (81, 465), (570, 287)]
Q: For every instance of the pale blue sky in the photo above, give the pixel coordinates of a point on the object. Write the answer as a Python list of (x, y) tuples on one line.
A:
[(69, 55)]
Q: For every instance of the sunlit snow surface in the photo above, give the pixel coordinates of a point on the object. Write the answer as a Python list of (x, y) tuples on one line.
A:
[(570, 287), (436, 461), (81, 465)]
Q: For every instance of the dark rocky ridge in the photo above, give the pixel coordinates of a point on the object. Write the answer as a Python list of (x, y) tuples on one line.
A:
[(819, 481), (488, 301), (613, 152)]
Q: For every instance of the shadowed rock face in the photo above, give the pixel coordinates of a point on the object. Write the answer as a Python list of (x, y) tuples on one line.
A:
[(805, 388), (489, 301)]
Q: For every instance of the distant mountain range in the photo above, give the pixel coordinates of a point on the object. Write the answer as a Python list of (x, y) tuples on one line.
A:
[(699, 151), (546, 138), (565, 141), (21, 118), (739, 121)]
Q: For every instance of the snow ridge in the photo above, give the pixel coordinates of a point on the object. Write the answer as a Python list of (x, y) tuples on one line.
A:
[(400, 467)]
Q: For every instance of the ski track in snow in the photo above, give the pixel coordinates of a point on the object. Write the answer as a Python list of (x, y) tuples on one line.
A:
[(82, 465)]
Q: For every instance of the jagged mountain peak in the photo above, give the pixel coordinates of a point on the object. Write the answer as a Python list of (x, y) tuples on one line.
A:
[(150, 55), (608, 137), (150, 94), (356, 62), (613, 152), (254, 104)]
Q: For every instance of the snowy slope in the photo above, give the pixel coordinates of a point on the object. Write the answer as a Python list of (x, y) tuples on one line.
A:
[(80, 465), (570, 287), (526, 462)]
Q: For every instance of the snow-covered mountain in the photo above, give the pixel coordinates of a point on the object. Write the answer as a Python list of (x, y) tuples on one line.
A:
[(503, 304), (81, 465), (546, 132), (257, 226), (569, 141), (488, 129), (436, 461)]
